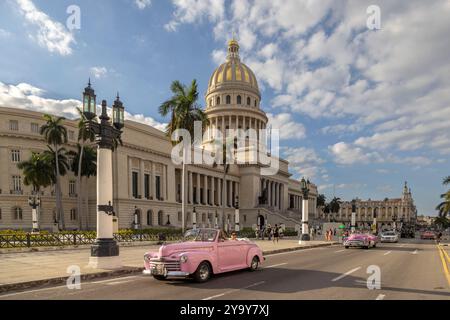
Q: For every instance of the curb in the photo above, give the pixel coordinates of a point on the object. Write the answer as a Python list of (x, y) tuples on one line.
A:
[(123, 271)]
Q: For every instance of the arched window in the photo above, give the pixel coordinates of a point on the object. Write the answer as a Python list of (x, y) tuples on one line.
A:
[(228, 99), (217, 100), (239, 100), (17, 213), (210, 102), (55, 216), (255, 102), (248, 101), (149, 217), (0, 214), (138, 213), (160, 218)]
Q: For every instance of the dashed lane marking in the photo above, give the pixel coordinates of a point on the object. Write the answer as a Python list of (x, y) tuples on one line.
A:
[(275, 265), (380, 297), (386, 253), (339, 250), (232, 291), (345, 274)]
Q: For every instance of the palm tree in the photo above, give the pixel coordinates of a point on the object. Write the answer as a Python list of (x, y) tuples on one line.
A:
[(37, 171), (86, 167), (84, 135), (444, 206), (335, 205), (57, 158), (321, 200), (184, 111)]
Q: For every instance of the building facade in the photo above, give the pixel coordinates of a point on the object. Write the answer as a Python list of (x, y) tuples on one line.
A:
[(146, 180), (387, 211)]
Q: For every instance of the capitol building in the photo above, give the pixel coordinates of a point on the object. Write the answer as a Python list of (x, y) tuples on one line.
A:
[(146, 180)]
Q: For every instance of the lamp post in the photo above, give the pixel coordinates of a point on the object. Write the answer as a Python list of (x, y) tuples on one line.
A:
[(236, 216), (34, 203), (136, 219), (194, 219), (105, 251), (374, 226), (394, 225), (353, 216), (305, 192)]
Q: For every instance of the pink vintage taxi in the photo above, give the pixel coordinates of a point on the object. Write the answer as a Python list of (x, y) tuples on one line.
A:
[(202, 253), (361, 240)]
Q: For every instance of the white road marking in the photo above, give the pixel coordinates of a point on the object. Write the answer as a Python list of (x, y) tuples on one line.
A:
[(275, 265), (386, 253), (345, 274), (117, 282), (339, 250), (294, 251), (415, 252), (402, 245), (232, 291), (31, 291), (380, 297), (114, 280)]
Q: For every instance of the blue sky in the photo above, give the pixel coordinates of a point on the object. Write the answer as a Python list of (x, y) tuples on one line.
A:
[(360, 111)]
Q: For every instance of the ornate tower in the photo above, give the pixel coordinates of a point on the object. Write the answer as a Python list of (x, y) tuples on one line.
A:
[(233, 97)]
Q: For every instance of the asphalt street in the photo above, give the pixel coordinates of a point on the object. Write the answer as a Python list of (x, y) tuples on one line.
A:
[(411, 269)]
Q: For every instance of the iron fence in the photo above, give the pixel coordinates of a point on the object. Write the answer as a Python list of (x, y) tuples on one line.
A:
[(29, 240)]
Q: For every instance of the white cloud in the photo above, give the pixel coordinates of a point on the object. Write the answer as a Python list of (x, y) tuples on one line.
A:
[(390, 87), (50, 34), (26, 96), (304, 162), (288, 129), (142, 4), (4, 33), (99, 72)]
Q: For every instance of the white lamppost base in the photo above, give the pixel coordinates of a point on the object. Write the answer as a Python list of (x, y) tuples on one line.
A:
[(108, 263)]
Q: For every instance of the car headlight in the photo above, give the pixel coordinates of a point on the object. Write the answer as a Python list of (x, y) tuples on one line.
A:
[(183, 258), (147, 257)]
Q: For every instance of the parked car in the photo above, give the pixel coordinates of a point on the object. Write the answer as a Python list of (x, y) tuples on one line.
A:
[(428, 235), (361, 240), (389, 236), (202, 253)]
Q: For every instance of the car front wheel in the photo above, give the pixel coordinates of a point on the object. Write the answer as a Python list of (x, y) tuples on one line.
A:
[(160, 278), (255, 263), (203, 272)]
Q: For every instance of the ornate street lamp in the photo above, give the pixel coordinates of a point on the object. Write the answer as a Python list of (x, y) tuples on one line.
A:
[(353, 222), (236, 216), (136, 218), (105, 251), (194, 219), (304, 185), (34, 203)]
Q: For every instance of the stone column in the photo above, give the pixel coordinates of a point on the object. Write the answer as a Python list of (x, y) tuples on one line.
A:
[(213, 187), (153, 182), (205, 189), (141, 178), (197, 193)]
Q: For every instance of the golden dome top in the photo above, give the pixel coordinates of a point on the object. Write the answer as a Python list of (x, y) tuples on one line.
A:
[(233, 71)]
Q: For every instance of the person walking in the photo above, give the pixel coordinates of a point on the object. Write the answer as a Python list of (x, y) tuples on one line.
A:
[(276, 233), (269, 232)]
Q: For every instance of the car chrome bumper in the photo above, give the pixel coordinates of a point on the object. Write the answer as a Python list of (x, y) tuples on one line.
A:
[(389, 240), (168, 273), (354, 244)]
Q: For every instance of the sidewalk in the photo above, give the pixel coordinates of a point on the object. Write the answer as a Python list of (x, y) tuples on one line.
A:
[(29, 269)]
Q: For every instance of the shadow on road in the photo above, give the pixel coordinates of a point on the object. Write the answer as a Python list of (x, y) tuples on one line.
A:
[(291, 281)]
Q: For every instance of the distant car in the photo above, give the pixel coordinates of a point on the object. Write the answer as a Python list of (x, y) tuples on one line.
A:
[(361, 240), (428, 235), (202, 253), (389, 236)]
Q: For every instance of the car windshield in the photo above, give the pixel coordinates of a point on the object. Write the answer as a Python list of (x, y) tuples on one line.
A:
[(200, 235)]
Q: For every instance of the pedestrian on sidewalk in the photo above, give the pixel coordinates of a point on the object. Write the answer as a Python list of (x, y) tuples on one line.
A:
[(276, 233), (269, 232)]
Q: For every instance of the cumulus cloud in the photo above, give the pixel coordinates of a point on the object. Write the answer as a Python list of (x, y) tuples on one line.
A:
[(29, 97), (50, 34), (304, 162), (142, 4), (99, 72), (387, 86), (288, 128)]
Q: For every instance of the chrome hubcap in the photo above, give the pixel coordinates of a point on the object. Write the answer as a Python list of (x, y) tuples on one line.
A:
[(204, 272), (254, 264)]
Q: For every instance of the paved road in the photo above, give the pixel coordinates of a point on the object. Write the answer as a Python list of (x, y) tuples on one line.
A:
[(409, 270)]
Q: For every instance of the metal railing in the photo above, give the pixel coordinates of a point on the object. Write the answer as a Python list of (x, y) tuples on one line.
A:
[(28, 240)]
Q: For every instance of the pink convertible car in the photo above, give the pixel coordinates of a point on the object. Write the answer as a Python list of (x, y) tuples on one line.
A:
[(202, 253), (361, 240)]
